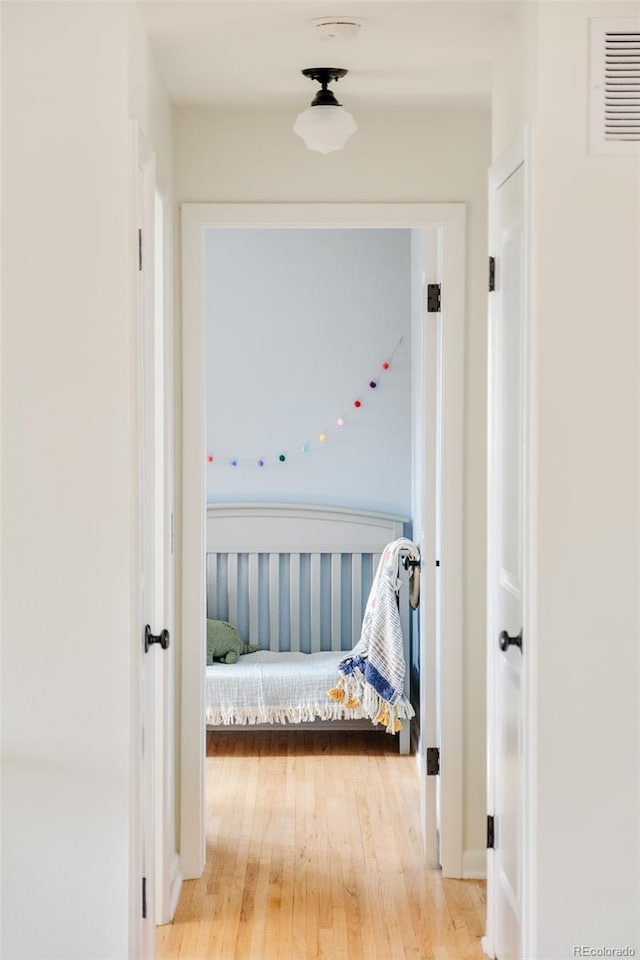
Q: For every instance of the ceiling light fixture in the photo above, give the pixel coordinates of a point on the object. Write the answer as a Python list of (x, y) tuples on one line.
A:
[(325, 125)]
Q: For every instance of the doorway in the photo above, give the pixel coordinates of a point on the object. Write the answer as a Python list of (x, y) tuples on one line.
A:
[(442, 472)]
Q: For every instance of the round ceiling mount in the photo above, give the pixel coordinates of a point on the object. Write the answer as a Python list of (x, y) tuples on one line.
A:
[(324, 75), (338, 28)]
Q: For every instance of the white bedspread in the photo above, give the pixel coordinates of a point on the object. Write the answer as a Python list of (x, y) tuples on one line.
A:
[(268, 687)]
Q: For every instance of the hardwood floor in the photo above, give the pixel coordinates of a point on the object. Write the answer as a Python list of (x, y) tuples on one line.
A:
[(314, 852)]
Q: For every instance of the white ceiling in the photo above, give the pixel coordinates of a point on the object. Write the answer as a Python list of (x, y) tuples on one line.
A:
[(243, 52)]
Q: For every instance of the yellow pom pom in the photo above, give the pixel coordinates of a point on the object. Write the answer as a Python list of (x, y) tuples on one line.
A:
[(352, 703), (397, 725), (336, 693), (383, 717)]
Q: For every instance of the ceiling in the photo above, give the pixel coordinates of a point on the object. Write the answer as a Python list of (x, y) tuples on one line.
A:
[(250, 52)]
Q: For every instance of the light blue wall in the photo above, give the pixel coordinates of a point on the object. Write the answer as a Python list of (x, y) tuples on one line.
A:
[(298, 323)]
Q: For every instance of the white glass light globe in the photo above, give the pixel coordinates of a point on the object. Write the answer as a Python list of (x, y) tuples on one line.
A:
[(325, 128)]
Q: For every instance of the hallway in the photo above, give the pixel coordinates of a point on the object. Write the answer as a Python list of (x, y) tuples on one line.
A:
[(314, 852)]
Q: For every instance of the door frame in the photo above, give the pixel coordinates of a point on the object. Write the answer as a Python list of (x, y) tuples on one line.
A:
[(142, 865), (519, 153), (168, 879), (450, 219)]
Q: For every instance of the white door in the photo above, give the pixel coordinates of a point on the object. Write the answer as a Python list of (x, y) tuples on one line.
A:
[(160, 878), (427, 359), (506, 662), (438, 359)]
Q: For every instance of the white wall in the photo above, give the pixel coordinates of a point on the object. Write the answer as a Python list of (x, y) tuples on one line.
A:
[(514, 72), (587, 312), (585, 649), (400, 155), (68, 469), (298, 324), (67, 464), (149, 104)]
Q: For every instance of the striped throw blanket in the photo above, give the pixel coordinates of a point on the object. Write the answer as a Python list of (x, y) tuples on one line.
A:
[(372, 674)]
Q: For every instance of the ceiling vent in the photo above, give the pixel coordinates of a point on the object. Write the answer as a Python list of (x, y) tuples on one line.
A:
[(615, 86)]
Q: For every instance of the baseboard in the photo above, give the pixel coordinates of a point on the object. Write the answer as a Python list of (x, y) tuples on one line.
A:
[(474, 865), (176, 885)]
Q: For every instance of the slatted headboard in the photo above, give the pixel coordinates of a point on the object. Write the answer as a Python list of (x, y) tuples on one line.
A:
[(295, 577)]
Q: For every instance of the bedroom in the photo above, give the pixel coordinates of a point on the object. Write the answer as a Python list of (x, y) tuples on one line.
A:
[(282, 351)]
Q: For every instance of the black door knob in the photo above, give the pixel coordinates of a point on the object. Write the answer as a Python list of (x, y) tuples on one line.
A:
[(161, 638), (506, 641)]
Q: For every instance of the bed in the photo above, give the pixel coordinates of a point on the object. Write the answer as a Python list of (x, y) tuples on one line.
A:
[(294, 580)]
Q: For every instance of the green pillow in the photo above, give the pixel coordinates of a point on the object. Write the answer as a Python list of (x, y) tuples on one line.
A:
[(224, 642)]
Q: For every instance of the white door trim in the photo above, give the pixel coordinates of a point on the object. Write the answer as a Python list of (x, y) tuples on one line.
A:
[(450, 217), (168, 880), (141, 930), (518, 153)]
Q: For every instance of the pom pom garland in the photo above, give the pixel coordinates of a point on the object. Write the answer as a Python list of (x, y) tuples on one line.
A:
[(304, 448)]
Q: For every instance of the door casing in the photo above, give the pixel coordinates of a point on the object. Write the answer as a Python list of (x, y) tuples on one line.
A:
[(142, 868), (449, 220)]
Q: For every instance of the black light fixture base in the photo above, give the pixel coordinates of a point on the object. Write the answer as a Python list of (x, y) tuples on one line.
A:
[(324, 76)]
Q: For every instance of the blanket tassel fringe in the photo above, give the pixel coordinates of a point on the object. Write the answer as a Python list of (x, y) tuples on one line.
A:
[(354, 694)]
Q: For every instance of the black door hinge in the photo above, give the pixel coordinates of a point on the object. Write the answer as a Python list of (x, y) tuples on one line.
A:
[(144, 898), (491, 834), (434, 301), (492, 274), (433, 761), (140, 248)]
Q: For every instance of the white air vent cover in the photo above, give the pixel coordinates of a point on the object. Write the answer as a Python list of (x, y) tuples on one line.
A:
[(615, 86)]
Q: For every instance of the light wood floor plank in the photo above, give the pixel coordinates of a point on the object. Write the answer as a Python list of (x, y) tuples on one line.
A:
[(314, 853)]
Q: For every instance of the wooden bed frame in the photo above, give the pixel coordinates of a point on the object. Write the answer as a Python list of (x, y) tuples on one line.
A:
[(297, 578)]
